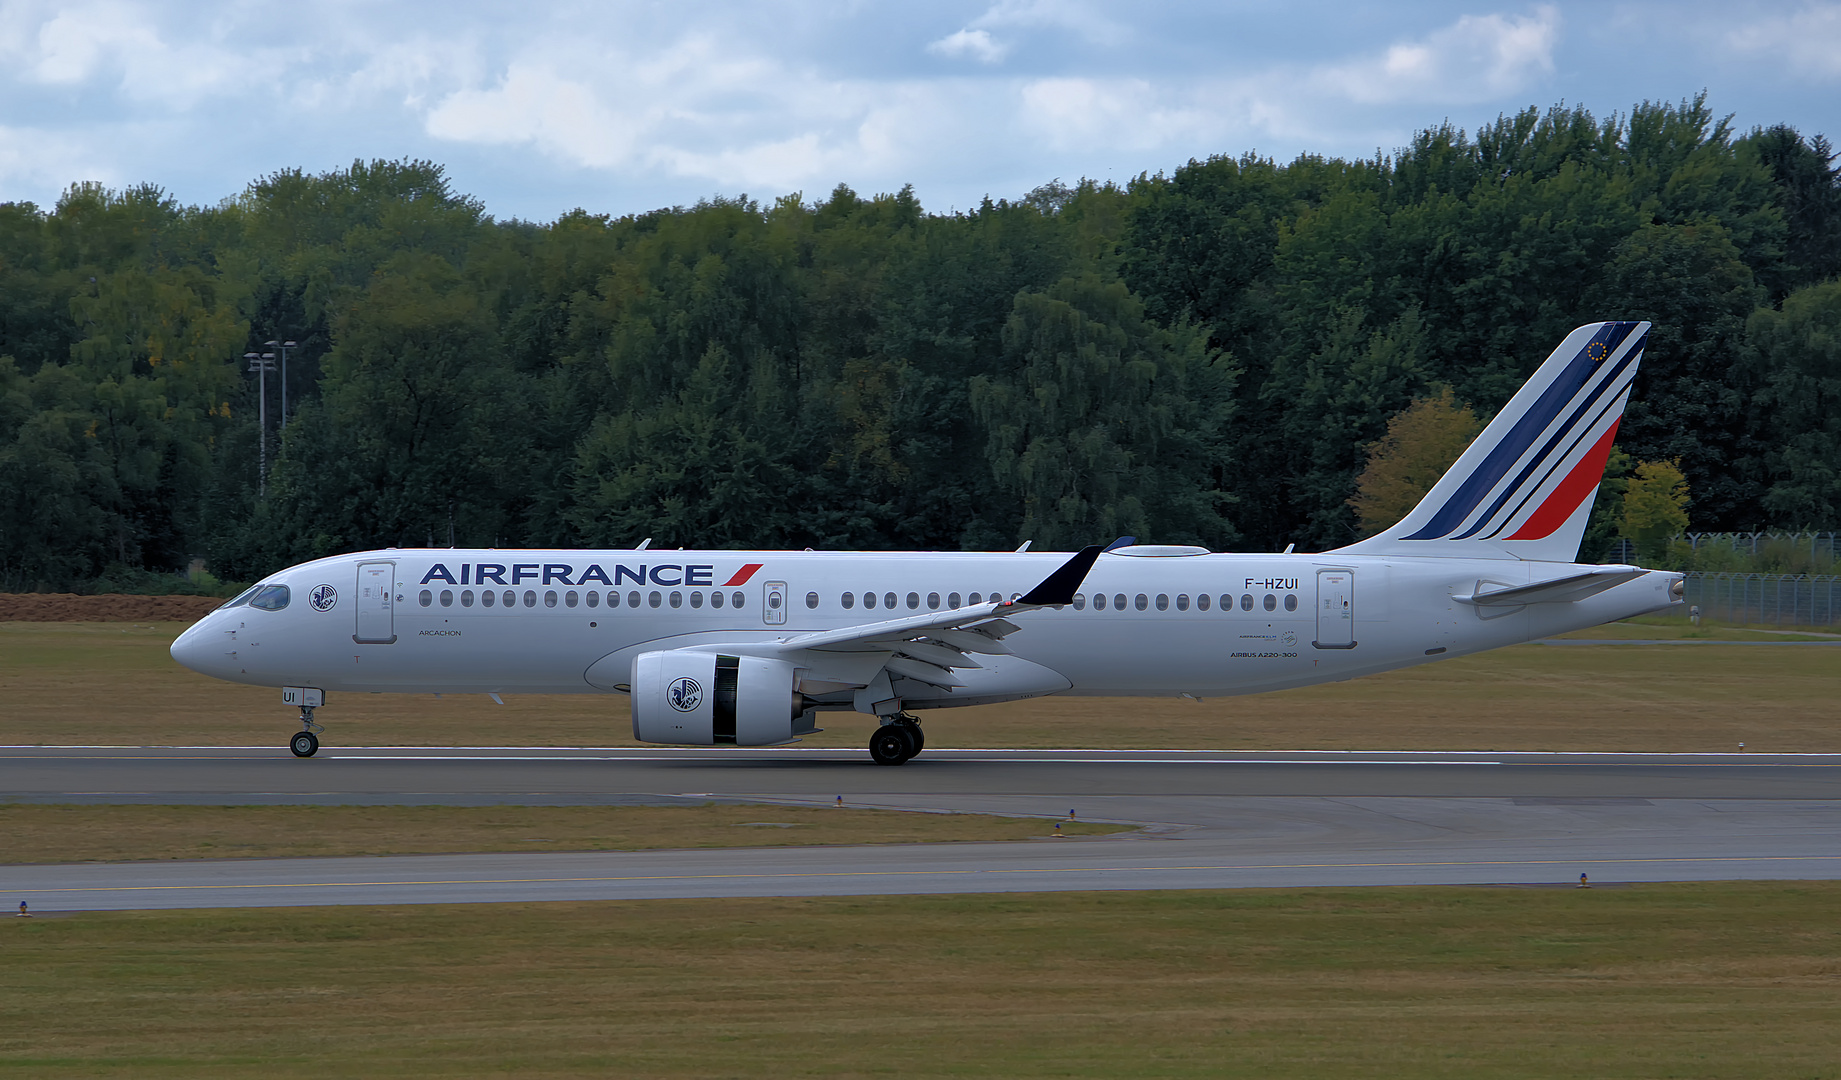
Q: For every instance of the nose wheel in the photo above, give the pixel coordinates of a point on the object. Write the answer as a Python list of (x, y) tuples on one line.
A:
[(306, 742)]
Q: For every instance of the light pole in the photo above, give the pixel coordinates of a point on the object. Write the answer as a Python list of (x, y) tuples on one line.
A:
[(283, 347), (262, 364)]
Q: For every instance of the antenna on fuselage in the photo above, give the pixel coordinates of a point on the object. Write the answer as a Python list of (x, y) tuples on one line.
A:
[(1025, 546), (643, 544)]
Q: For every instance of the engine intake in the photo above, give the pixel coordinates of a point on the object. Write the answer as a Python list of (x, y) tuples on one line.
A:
[(710, 699)]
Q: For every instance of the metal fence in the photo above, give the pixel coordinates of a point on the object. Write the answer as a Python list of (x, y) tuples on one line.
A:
[(1819, 545), (1767, 599)]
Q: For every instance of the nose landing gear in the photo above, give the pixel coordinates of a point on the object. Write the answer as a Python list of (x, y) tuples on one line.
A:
[(306, 742)]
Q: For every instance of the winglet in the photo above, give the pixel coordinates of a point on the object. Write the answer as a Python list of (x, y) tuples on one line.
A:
[(1058, 588)]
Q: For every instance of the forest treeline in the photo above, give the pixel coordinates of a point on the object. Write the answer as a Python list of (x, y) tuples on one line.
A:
[(1203, 356)]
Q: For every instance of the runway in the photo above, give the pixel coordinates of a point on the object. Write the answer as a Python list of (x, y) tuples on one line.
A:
[(1208, 820)]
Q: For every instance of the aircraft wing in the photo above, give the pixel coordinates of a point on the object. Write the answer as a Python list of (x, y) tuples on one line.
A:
[(1564, 590), (927, 648)]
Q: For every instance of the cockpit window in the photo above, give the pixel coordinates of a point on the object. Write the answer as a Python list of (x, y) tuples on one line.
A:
[(270, 597), (239, 598)]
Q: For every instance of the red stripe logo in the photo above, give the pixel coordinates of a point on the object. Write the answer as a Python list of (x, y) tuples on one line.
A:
[(741, 576), (1575, 489)]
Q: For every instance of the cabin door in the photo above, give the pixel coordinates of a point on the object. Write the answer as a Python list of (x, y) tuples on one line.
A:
[(1335, 609), (376, 617)]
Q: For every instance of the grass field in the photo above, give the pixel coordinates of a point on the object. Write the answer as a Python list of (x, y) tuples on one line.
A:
[(1703, 980), (86, 833), (114, 684)]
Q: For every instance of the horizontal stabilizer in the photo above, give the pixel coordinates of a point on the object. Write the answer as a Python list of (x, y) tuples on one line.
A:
[(1564, 590)]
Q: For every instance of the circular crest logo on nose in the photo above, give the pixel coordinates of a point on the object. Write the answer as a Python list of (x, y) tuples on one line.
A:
[(684, 694), (323, 597)]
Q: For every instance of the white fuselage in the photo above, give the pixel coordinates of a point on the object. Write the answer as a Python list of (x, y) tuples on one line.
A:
[(417, 621)]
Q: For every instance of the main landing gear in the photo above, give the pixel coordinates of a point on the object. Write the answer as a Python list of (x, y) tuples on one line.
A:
[(897, 741), (306, 742)]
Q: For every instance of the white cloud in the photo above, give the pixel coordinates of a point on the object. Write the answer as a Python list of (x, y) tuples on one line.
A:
[(534, 105), (1808, 41), (976, 44), (49, 162), (1477, 58), (1082, 18)]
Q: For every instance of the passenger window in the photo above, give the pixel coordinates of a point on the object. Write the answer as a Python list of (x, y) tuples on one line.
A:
[(933, 601), (952, 600), (1201, 602), (1118, 601), (737, 598), (1291, 601), (509, 599), (425, 598), (569, 598), (976, 599), (1080, 602), (466, 597), (1099, 601), (447, 598), (655, 598), (1182, 601), (632, 598), (888, 601), (849, 600), (1271, 602), (677, 599), (811, 600), (593, 598), (1163, 601), (488, 598), (549, 598), (696, 599), (530, 598), (773, 600), (869, 599), (1246, 601), (715, 599), (1142, 601), (913, 601), (613, 599)]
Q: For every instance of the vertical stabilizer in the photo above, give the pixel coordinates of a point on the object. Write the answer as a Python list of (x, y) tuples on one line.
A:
[(1524, 488)]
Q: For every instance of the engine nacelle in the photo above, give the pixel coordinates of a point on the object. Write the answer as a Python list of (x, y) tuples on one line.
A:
[(708, 699)]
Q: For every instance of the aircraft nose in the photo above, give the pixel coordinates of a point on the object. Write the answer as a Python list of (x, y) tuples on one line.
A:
[(194, 649)]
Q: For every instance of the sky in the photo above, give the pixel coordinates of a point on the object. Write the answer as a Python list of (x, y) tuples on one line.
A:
[(622, 106)]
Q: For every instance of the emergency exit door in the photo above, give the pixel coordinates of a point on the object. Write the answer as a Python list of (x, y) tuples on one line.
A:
[(376, 609), (773, 606), (1335, 609)]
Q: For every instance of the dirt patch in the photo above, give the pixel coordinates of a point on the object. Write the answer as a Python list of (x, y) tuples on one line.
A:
[(108, 607)]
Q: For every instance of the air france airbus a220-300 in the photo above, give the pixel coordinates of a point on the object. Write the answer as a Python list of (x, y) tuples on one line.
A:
[(744, 648)]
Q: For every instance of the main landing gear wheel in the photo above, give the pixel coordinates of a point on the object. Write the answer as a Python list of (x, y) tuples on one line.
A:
[(891, 745), (304, 744)]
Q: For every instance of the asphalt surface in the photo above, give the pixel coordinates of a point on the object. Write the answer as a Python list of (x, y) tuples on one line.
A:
[(1208, 820)]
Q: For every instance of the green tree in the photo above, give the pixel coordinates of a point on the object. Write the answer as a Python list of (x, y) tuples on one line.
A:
[(1422, 441), (1655, 508), (1799, 352)]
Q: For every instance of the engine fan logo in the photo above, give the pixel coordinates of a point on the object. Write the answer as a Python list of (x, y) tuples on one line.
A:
[(323, 597), (685, 695)]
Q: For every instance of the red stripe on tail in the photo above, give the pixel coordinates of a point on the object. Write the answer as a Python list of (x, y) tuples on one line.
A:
[(1578, 485)]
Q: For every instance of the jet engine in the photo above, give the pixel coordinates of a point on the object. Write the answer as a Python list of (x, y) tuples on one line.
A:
[(708, 699)]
